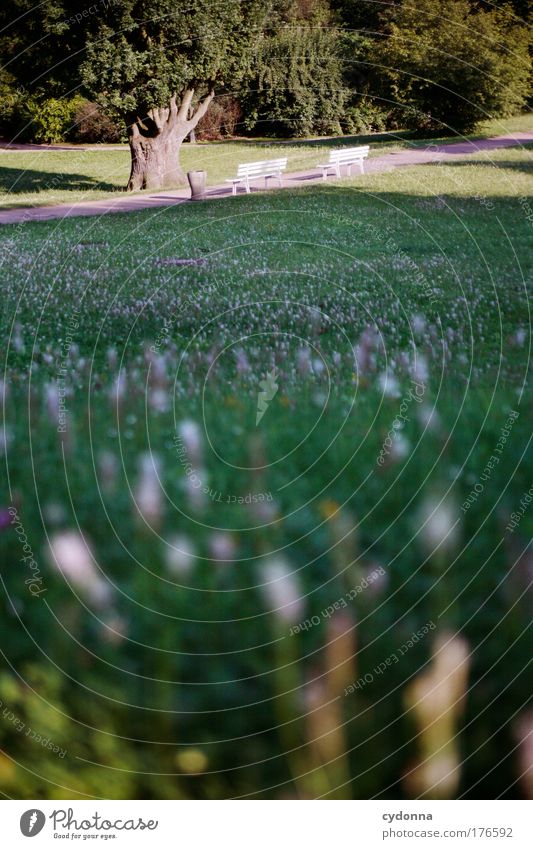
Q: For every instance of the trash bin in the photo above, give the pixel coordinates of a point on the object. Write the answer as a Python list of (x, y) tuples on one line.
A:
[(197, 183)]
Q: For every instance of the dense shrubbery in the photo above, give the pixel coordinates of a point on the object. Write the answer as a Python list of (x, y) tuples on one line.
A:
[(453, 64), (222, 120), (296, 87), (306, 68)]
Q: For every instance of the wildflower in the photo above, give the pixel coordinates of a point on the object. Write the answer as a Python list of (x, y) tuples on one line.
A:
[(148, 492), (70, 553), (438, 529), (400, 448), (389, 385), (418, 323), (303, 361), (118, 392), (108, 470), (243, 365), (180, 555), (436, 699), (190, 435), (282, 590), (420, 370), (222, 547), (340, 652), (429, 417), (52, 402)]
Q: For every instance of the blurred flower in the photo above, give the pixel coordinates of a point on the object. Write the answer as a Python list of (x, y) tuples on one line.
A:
[(190, 435), (148, 491), (70, 553), (303, 361), (222, 546), (429, 417), (54, 513), (243, 365), (107, 470), (52, 402), (282, 590), (192, 761), (389, 385), (436, 698), (418, 323), (114, 629), (438, 524), (400, 448), (112, 358), (180, 555), (340, 652), (5, 518), (524, 735), (420, 370), (158, 400), (118, 391)]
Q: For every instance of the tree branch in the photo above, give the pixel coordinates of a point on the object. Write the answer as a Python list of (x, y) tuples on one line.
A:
[(202, 108), (185, 104)]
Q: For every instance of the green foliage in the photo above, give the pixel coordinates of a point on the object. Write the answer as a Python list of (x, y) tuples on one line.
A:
[(134, 62), (452, 65), (296, 87), (364, 117), (53, 120)]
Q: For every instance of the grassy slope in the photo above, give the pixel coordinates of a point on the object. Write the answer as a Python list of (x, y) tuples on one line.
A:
[(51, 177), (358, 252)]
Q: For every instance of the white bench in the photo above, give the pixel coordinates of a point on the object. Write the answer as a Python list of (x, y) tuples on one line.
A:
[(345, 156), (247, 171)]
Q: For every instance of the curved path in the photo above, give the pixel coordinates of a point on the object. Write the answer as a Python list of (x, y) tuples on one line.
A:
[(387, 162)]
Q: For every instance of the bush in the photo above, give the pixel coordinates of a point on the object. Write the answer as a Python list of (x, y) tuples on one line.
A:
[(52, 120), (221, 120), (296, 86), (92, 126), (364, 117), (451, 64)]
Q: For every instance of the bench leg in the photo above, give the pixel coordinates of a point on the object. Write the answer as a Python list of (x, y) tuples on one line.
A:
[(338, 170), (247, 186), (279, 180), (234, 188), (362, 167)]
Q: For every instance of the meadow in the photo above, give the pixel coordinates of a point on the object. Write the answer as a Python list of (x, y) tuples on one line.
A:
[(212, 606)]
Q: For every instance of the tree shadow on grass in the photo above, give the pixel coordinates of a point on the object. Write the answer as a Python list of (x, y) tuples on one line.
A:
[(525, 167), (328, 141), (17, 181)]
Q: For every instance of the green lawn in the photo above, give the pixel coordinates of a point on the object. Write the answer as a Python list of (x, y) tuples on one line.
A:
[(50, 177), (179, 680)]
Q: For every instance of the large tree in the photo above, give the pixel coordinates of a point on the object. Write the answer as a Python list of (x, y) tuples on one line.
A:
[(157, 65)]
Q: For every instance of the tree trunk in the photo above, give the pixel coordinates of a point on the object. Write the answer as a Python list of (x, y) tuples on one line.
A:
[(155, 143)]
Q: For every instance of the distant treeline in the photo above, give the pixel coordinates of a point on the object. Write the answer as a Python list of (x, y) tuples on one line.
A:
[(277, 68)]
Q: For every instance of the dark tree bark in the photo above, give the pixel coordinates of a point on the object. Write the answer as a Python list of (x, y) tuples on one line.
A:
[(155, 143)]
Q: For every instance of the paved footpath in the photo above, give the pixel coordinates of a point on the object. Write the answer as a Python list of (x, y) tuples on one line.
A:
[(387, 162)]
